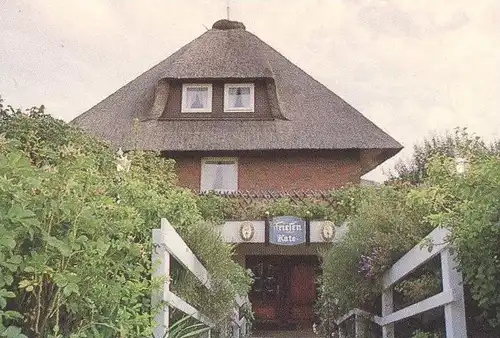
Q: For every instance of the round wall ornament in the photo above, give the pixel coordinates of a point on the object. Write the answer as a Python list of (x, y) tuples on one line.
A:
[(246, 231), (327, 231)]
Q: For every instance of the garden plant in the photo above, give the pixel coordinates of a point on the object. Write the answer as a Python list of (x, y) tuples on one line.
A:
[(75, 234)]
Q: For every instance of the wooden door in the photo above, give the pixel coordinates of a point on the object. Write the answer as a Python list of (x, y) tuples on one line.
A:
[(266, 292), (284, 288), (302, 292)]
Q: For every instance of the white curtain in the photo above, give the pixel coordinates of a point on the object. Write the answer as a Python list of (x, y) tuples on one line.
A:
[(220, 177), (239, 97), (197, 98)]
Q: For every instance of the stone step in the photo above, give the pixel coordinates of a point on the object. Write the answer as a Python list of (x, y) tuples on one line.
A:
[(284, 334)]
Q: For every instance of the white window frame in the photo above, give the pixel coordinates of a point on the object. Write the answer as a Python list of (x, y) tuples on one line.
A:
[(211, 160), (185, 87), (228, 109)]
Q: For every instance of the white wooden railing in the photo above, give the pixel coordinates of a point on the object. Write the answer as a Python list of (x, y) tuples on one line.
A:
[(361, 318), (452, 296), (166, 244), (240, 324)]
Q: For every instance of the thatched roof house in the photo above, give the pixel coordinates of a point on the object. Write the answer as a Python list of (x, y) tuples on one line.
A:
[(292, 111)]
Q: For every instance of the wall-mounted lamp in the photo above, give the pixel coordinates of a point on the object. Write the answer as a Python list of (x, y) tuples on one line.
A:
[(462, 165)]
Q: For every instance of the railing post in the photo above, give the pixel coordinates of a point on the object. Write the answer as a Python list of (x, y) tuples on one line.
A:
[(387, 308), (454, 312), (359, 326), (243, 328), (342, 331), (236, 330), (160, 260), (235, 322)]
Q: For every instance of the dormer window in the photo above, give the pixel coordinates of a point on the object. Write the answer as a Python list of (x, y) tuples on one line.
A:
[(196, 98), (239, 97)]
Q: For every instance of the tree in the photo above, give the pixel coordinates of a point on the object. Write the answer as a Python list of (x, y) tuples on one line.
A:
[(460, 143)]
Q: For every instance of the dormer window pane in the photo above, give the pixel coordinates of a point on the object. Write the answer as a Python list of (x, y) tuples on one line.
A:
[(196, 98), (239, 97)]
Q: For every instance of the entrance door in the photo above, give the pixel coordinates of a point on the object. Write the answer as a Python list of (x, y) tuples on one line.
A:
[(284, 288)]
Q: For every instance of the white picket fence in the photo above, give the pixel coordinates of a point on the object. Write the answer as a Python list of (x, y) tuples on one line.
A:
[(452, 296), (168, 244)]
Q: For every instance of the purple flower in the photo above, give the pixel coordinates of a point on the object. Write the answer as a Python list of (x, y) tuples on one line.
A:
[(367, 263)]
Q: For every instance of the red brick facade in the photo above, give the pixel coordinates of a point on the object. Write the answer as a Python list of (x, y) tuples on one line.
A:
[(279, 171)]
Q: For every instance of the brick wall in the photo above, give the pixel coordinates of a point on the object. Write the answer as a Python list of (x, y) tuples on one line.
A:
[(279, 171)]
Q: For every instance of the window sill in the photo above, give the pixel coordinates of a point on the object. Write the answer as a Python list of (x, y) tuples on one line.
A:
[(249, 110), (196, 111), (218, 191), (209, 117)]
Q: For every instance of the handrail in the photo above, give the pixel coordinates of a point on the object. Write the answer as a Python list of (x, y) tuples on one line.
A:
[(172, 245), (183, 254), (359, 313), (417, 256), (168, 244)]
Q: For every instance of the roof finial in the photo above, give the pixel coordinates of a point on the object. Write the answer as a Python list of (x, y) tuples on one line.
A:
[(228, 8)]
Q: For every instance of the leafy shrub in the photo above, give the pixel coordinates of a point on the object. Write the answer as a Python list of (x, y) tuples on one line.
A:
[(385, 223), (474, 217), (423, 334), (216, 208), (75, 234), (186, 327), (388, 221), (344, 201)]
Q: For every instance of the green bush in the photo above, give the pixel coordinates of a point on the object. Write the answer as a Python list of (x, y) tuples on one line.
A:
[(473, 214), (75, 234), (423, 334), (344, 201), (386, 222)]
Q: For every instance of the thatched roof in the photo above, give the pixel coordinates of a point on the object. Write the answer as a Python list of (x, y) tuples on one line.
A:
[(313, 116)]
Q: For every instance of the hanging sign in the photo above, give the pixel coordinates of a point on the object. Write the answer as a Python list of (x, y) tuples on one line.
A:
[(287, 230)]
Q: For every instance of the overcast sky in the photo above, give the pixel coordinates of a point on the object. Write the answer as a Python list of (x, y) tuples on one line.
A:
[(412, 67)]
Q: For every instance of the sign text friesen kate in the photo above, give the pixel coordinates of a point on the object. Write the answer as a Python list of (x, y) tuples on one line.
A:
[(287, 230)]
